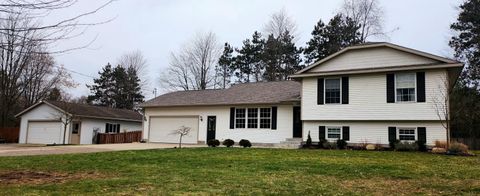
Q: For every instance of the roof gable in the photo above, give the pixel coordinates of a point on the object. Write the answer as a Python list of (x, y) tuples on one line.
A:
[(371, 56)]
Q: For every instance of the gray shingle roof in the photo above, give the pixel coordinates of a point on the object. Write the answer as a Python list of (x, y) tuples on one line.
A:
[(248, 93), (97, 111)]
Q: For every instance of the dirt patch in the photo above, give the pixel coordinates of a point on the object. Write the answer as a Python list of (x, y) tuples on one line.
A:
[(31, 177)]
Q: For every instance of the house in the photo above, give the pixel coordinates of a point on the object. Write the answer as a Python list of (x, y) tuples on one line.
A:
[(369, 93), (42, 123)]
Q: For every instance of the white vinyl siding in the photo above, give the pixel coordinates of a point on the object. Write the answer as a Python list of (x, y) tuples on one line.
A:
[(374, 132), (223, 131), (371, 58), (367, 100)]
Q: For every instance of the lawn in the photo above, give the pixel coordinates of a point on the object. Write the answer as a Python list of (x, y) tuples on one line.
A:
[(236, 171)]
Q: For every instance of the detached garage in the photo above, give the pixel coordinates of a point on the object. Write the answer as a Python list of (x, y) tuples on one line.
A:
[(43, 123), (44, 132), (163, 129)]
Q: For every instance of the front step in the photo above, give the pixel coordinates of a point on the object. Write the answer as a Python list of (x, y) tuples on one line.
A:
[(290, 143)]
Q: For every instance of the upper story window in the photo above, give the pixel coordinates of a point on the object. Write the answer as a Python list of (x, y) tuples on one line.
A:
[(405, 87), (112, 128), (406, 134), (332, 90)]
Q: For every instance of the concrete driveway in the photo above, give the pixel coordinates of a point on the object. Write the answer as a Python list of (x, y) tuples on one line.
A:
[(25, 150)]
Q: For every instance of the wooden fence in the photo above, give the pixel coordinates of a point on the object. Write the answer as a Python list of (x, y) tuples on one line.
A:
[(472, 143), (9, 134), (125, 137)]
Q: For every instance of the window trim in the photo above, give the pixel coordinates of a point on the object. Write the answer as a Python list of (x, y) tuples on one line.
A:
[(408, 128), (258, 118), (333, 139), (415, 86), (325, 90), (117, 125)]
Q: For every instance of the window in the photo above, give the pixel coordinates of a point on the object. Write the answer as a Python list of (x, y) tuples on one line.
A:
[(76, 128), (405, 87), (333, 133), (253, 118), (406, 134), (112, 128), (252, 121), (265, 118), (240, 118), (332, 90)]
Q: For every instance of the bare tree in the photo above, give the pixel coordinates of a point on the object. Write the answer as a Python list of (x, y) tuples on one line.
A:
[(182, 131), (40, 77), (193, 67), (280, 22), (441, 104), (368, 15), (65, 115), (137, 61)]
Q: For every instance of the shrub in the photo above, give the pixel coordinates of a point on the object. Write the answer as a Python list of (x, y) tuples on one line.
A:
[(406, 146), (421, 146), (329, 145), (393, 143), (228, 143), (436, 150), (441, 144), (341, 144), (321, 143), (457, 148), (245, 143), (213, 143), (309, 140)]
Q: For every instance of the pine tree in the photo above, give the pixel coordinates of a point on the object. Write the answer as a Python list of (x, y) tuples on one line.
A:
[(248, 62), (225, 66), (467, 41), (116, 88), (103, 89), (281, 57), (339, 33)]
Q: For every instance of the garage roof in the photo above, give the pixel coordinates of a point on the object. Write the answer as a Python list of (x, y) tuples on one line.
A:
[(239, 94), (89, 111)]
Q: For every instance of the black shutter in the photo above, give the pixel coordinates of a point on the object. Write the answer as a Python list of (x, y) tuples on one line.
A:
[(106, 127), (390, 88), (344, 90), (346, 133), (392, 134), (420, 86), (320, 89), (118, 128), (422, 135), (274, 118), (232, 118), (321, 132)]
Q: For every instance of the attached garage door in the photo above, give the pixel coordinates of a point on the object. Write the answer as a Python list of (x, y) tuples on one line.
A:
[(44, 133), (162, 129)]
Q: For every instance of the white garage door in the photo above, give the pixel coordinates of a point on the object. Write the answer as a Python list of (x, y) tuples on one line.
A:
[(162, 129), (44, 133)]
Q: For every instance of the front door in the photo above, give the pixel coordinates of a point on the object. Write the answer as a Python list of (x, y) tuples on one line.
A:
[(75, 134), (297, 122), (211, 127)]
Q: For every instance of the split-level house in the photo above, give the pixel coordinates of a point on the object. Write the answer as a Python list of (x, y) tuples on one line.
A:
[(369, 93)]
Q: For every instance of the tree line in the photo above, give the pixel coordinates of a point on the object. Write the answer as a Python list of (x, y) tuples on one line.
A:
[(271, 55)]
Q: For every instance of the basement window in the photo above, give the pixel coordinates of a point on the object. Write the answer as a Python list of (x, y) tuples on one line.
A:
[(333, 133), (406, 134)]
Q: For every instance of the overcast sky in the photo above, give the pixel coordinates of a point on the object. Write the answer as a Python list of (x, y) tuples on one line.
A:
[(158, 27)]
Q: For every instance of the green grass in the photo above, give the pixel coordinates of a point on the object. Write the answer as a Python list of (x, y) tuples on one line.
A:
[(236, 171)]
